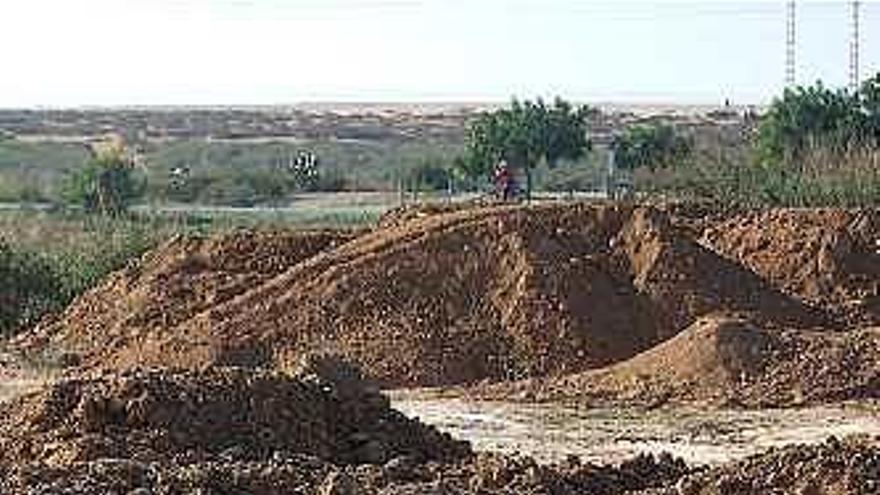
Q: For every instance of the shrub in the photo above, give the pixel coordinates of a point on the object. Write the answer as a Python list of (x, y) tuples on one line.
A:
[(652, 147), (29, 287), (105, 184)]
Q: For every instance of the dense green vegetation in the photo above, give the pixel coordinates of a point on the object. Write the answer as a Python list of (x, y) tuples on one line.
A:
[(815, 146), (815, 117), (30, 288)]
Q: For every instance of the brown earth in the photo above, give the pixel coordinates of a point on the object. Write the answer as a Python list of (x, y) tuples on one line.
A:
[(589, 302), (328, 431), (482, 474), (324, 430), (830, 257), (431, 299), (849, 467), (179, 279), (724, 361), (327, 411)]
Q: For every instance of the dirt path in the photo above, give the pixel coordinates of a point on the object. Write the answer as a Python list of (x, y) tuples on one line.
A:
[(549, 432)]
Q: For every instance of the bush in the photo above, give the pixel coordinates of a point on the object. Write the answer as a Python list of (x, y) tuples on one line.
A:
[(652, 147), (35, 282), (524, 135), (104, 184), (29, 287)]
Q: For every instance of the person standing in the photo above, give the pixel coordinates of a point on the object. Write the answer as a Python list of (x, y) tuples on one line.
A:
[(503, 181)]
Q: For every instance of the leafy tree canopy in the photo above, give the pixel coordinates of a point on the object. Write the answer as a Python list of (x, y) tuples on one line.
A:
[(817, 116), (653, 147), (524, 134)]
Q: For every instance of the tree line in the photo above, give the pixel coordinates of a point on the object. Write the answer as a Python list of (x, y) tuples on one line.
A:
[(525, 134)]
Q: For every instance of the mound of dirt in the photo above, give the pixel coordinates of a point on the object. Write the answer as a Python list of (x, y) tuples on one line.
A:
[(727, 361), (827, 256), (685, 280), (176, 281), (850, 467), (180, 416), (452, 297)]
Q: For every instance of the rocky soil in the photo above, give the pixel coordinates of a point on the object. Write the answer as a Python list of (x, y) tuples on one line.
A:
[(441, 298), (722, 361), (832, 468), (324, 430), (327, 411), (830, 257)]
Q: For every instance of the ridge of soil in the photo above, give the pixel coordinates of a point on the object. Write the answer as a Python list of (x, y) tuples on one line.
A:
[(830, 257), (172, 283), (459, 296), (724, 360), (324, 430)]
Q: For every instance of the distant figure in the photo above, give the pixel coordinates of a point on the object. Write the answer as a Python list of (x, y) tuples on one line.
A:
[(504, 184)]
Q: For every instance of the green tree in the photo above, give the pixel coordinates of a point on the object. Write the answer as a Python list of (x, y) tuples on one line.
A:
[(805, 118), (524, 134), (106, 183), (869, 104), (653, 147)]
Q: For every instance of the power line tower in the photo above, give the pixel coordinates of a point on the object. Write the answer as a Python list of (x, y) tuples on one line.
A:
[(854, 48), (790, 43)]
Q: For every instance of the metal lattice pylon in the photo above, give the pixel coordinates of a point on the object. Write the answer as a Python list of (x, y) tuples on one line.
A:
[(790, 45), (854, 78)]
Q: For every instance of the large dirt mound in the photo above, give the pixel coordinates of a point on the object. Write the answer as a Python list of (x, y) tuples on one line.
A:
[(179, 279), (453, 297), (328, 412), (684, 280), (728, 361), (830, 257), (850, 467)]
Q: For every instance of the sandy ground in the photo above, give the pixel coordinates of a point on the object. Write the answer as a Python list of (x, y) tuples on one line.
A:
[(550, 432)]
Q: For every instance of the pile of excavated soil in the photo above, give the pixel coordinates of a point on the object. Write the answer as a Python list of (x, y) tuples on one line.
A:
[(179, 279), (328, 412), (827, 256), (726, 361), (324, 430), (850, 467), (448, 298)]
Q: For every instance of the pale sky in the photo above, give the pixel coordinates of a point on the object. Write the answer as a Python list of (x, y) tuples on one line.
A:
[(242, 52)]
